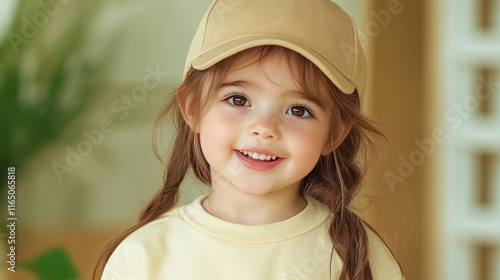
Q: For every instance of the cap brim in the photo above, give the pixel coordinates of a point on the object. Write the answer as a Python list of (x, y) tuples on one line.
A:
[(229, 48)]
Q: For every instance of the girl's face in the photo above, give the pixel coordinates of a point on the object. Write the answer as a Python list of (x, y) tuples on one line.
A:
[(262, 135)]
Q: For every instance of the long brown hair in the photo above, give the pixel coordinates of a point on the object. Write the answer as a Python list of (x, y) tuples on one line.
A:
[(334, 180)]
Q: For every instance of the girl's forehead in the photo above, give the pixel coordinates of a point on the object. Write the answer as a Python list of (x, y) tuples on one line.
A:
[(274, 67), (248, 58)]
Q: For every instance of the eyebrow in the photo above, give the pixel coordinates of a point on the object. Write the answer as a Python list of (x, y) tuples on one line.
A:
[(239, 83), (251, 84)]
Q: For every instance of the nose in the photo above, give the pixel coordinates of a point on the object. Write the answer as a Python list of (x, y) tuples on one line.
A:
[(266, 127)]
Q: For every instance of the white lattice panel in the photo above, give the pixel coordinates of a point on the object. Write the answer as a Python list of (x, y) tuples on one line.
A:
[(467, 223)]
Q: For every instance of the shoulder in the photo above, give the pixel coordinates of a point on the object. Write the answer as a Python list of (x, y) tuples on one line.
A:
[(382, 261), (153, 231), (137, 255)]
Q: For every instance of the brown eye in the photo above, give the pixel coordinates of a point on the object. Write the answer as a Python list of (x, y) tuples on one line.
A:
[(299, 111), (238, 100)]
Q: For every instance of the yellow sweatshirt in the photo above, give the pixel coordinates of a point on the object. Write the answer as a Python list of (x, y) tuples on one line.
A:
[(189, 243)]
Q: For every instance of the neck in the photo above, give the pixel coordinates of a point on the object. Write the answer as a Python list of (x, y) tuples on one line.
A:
[(251, 209)]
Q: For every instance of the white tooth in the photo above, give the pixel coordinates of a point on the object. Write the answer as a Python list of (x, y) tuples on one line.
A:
[(250, 154), (245, 153), (255, 156), (273, 157), (268, 158), (262, 157)]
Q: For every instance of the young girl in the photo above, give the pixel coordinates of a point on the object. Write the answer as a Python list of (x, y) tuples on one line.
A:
[(268, 116)]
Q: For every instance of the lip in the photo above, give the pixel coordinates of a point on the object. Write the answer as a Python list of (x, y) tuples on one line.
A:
[(257, 165)]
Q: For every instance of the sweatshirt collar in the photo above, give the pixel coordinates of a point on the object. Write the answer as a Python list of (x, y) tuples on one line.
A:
[(308, 219)]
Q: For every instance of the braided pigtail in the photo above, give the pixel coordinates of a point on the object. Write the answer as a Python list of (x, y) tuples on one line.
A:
[(185, 153), (335, 180)]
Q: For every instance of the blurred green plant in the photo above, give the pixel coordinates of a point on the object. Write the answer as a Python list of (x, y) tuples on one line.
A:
[(53, 264), (45, 84)]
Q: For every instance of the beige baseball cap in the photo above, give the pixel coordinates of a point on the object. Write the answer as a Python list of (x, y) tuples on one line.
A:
[(317, 29)]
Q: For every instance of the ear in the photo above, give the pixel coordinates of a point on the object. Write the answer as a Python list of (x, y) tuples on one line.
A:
[(185, 107), (340, 136)]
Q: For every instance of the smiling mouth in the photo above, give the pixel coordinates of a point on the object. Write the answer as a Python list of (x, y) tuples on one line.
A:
[(257, 156)]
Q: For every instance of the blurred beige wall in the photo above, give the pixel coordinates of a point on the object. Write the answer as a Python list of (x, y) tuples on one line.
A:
[(397, 99)]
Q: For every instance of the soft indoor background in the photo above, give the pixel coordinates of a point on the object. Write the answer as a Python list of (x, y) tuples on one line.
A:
[(81, 82)]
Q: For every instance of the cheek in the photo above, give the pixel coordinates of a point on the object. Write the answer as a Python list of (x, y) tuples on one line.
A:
[(217, 129), (308, 141)]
